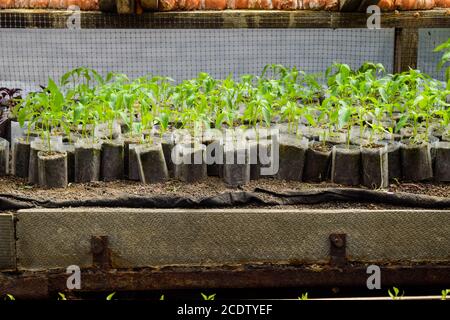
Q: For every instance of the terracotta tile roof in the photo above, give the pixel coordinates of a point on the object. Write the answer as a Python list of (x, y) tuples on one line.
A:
[(170, 5)]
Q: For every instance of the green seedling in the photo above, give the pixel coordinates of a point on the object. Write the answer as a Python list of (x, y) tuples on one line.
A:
[(304, 296), (445, 59), (395, 294), (9, 297), (61, 296), (110, 296), (210, 297), (444, 294)]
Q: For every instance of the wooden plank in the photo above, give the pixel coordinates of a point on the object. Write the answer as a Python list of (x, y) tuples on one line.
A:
[(19, 18), (41, 284), (405, 49)]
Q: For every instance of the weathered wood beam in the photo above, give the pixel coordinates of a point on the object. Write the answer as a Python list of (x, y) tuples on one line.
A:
[(41, 284), (18, 18), (405, 49)]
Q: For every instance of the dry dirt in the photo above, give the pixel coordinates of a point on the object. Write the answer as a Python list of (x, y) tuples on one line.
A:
[(210, 187)]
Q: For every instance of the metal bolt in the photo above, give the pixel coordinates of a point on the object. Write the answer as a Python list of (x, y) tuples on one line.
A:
[(337, 240)]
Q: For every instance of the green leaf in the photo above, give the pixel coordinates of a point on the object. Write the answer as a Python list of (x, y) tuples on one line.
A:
[(383, 94), (344, 116), (310, 119), (61, 296), (10, 297), (77, 112), (401, 123), (212, 297), (442, 46), (21, 116), (110, 296), (161, 298), (267, 114)]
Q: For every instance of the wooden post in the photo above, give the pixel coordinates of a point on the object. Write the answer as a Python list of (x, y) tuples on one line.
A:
[(405, 49)]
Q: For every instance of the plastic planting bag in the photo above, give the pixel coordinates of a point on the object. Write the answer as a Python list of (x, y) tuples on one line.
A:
[(236, 167), (87, 160), (346, 165), (374, 163), (416, 161), (21, 157), (52, 169), (151, 163), (4, 157), (442, 161)]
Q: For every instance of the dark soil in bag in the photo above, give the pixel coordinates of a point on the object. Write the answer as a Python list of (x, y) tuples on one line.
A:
[(317, 162), (112, 160), (152, 165), (394, 161), (346, 164), (292, 151), (442, 162), (21, 158), (4, 157), (133, 164), (127, 166), (33, 174), (167, 143), (190, 165), (416, 161), (214, 156), (70, 150), (374, 165), (87, 161), (52, 167), (261, 159), (236, 167)]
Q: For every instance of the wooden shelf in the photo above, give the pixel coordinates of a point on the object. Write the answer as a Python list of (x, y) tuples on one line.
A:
[(18, 18)]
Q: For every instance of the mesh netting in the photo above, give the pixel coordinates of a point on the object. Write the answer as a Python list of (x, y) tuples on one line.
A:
[(49, 49), (30, 56), (427, 59)]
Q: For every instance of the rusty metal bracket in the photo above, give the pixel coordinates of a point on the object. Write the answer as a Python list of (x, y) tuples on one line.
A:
[(338, 249), (101, 255)]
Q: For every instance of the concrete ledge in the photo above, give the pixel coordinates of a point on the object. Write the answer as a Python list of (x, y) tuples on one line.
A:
[(7, 242), (57, 238)]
